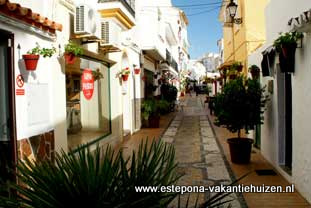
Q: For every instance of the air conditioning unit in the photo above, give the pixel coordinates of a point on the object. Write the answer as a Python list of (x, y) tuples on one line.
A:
[(86, 21), (110, 34)]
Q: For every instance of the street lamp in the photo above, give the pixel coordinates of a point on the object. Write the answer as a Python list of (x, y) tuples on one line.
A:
[(231, 9)]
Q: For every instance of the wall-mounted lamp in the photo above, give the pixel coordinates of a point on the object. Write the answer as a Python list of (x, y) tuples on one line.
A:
[(231, 9)]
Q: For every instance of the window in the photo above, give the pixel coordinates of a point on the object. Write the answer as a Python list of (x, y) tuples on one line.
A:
[(88, 115)]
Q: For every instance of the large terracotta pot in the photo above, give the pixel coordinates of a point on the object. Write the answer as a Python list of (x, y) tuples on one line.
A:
[(154, 121), (31, 61), (240, 150)]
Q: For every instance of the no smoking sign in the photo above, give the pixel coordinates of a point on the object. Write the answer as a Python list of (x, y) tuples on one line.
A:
[(20, 81), (20, 84)]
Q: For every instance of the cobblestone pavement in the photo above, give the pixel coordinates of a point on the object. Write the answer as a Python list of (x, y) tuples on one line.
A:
[(197, 152)]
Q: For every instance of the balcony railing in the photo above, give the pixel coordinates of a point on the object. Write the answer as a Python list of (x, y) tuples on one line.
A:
[(171, 61), (128, 4)]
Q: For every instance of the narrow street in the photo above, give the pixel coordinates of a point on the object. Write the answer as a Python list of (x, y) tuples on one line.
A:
[(199, 156), (223, 82)]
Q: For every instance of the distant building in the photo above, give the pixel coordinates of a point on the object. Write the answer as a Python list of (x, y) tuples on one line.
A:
[(211, 61), (197, 69), (220, 44)]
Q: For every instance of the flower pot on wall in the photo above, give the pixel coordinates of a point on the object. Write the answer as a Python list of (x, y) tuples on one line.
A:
[(240, 150), (287, 57), (137, 71), (31, 61), (125, 77), (70, 58)]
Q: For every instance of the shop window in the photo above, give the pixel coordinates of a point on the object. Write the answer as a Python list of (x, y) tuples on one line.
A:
[(88, 108)]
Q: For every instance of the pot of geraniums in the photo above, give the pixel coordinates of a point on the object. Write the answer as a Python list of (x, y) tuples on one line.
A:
[(124, 74), (150, 113), (240, 106), (71, 51), (255, 71), (286, 45), (137, 70), (32, 56)]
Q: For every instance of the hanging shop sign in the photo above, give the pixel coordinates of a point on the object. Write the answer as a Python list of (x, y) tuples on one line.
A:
[(87, 80)]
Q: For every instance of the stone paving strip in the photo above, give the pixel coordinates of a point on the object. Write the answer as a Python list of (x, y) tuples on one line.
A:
[(197, 152)]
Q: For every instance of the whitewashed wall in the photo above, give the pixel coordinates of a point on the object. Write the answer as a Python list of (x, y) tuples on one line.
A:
[(278, 12)]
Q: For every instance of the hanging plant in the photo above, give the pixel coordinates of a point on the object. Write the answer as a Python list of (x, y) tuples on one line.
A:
[(137, 70), (32, 56), (286, 45), (97, 75), (71, 51), (124, 74)]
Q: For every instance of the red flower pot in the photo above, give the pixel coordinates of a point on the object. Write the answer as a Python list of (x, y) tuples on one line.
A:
[(137, 71), (182, 94), (125, 77), (31, 61), (70, 58)]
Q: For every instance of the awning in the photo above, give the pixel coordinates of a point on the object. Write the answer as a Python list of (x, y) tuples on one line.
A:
[(25, 15)]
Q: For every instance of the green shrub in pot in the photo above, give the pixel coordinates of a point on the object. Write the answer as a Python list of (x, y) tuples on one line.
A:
[(240, 106)]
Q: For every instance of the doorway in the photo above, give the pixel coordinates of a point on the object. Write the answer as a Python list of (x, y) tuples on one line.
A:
[(285, 121), (7, 105)]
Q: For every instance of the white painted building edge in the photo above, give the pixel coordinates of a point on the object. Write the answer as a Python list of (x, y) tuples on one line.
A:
[(270, 141)]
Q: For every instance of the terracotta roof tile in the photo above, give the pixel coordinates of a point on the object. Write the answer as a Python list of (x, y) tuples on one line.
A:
[(24, 14)]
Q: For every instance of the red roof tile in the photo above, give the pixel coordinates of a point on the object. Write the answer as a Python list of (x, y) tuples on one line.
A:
[(24, 14)]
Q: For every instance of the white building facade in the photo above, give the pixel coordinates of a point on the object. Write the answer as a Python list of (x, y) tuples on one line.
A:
[(285, 140), (211, 61)]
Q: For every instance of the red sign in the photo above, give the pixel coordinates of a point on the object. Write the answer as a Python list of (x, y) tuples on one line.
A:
[(20, 92), (20, 81), (87, 83)]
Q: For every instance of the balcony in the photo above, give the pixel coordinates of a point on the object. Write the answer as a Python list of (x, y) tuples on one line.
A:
[(128, 4), (122, 11)]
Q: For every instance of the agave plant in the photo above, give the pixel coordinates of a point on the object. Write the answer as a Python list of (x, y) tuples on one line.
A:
[(96, 179)]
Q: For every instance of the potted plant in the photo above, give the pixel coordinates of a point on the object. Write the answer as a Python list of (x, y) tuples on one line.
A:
[(239, 106), (237, 66), (150, 113), (286, 45), (232, 74), (255, 71), (124, 74), (97, 75), (32, 57), (71, 51)]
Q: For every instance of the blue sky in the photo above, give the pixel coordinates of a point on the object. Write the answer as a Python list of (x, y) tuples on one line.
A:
[(204, 29)]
